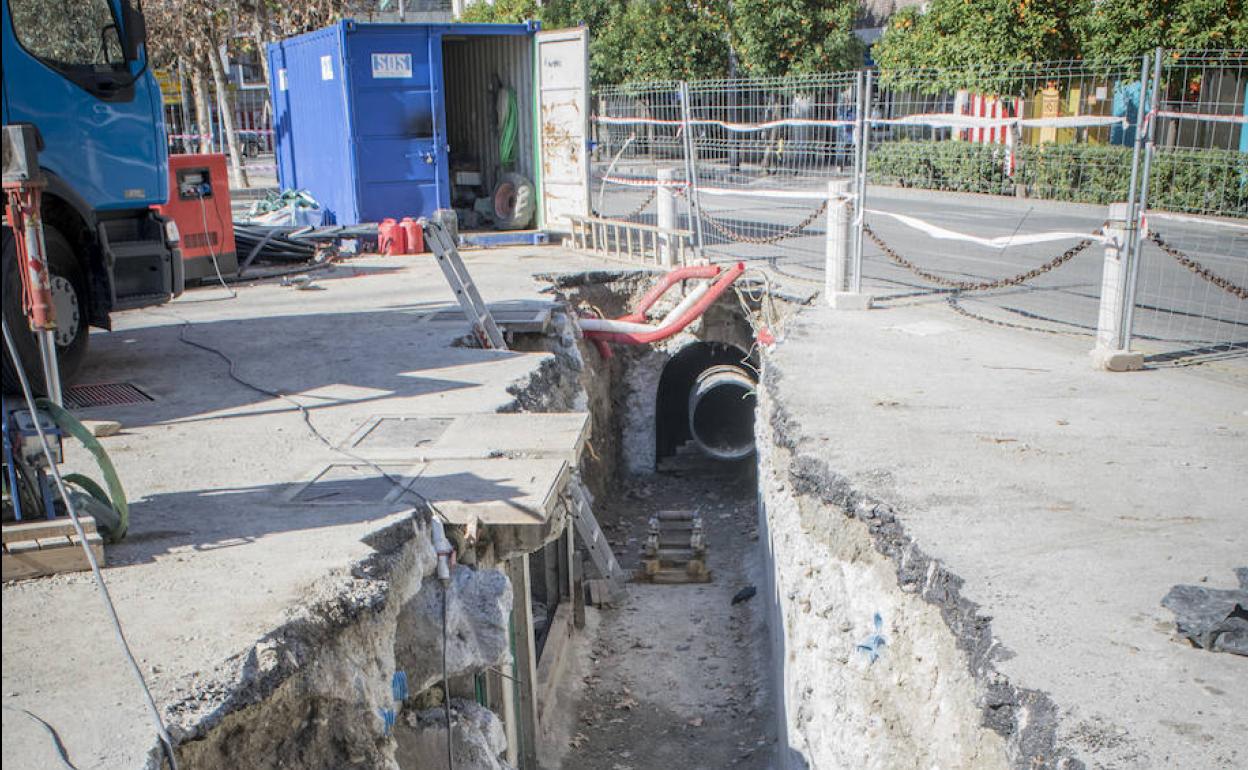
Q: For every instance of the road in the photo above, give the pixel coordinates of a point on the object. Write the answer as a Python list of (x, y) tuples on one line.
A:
[(1176, 309)]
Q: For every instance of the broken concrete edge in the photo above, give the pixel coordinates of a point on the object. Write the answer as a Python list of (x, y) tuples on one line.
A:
[(342, 599), (573, 279), (1026, 719)]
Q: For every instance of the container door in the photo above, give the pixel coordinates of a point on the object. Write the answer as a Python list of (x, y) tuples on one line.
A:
[(563, 96), (396, 81)]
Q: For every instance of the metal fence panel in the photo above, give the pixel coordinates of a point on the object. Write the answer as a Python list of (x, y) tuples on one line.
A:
[(1045, 151), (764, 152), (1191, 298)]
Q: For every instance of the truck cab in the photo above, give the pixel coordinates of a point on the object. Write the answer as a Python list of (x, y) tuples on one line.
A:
[(78, 72)]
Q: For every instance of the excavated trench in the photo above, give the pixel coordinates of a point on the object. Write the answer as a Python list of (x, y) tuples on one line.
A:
[(809, 647)]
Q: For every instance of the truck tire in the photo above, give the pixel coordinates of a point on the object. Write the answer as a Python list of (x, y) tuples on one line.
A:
[(515, 202), (69, 293)]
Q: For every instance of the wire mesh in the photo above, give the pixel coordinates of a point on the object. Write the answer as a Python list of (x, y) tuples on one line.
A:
[(764, 151), (1192, 291), (995, 153), (637, 133)]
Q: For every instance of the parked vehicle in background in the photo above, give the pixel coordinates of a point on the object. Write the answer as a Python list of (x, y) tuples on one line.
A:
[(79, 74)]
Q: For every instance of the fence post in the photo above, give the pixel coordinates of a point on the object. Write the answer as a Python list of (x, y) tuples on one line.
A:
[(665, 200), (862, 132), (838, 251), (1137, 224), (1108, 353), (691, 169)]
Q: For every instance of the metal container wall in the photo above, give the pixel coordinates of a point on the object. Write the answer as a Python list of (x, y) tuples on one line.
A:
[(360, 117), (311, 121)]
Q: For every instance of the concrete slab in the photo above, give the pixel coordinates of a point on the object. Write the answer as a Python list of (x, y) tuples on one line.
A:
[(499, 491), (550, 434), (217, 557), (1064, 501)]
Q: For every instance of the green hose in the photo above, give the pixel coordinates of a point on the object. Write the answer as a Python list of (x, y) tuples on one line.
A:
[(507, 130), (112, 530)]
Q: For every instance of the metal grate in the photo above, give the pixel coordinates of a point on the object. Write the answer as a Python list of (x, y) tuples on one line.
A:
[(104, 394)]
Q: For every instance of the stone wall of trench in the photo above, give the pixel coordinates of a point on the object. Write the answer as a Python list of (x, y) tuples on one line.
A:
[(877, 660)]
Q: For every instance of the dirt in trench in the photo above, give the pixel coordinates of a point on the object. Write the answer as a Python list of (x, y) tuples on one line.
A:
[(674, 676)]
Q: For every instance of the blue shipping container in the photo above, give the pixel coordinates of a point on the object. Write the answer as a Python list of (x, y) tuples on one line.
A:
[(361, 112)]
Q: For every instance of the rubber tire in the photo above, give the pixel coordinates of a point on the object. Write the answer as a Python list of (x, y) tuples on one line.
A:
[(61, 262), (515, 202)]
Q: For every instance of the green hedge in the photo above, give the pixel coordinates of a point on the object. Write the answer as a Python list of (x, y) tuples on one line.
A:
[(1210, 181)]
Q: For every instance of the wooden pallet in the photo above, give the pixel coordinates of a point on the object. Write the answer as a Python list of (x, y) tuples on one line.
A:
[(675, 551), (48, 547)]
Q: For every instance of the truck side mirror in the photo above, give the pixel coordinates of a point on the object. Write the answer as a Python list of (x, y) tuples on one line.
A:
[(135, 29)]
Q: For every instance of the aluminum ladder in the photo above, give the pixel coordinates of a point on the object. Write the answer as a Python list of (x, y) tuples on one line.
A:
[(483, 325), (595, 541)]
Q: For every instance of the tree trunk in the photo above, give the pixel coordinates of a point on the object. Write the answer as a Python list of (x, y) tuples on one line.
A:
[(203, 111), (260, 33), (226, 111)]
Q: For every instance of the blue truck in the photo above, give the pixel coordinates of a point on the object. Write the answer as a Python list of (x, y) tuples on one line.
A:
[(78, 72)]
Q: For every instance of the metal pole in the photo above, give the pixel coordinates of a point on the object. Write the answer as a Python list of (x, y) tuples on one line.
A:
[(862, 135), (1137, 210), (665, 217), (691, 170)]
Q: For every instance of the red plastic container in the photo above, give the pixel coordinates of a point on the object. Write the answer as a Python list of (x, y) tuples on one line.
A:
[(391, 238), (414, 235)]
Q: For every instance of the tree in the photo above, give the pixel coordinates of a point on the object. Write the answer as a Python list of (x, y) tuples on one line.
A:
[(980, 44), (795, 37), (661, 40), (1122, 29), (635, 40)]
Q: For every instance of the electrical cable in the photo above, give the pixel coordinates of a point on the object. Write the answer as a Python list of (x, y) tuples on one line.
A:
[(212, 253), (61, 752), (446, 687), (165, 741), (303, 411)]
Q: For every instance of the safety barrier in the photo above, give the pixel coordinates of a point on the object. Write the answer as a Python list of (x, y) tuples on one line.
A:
[(748, 162)]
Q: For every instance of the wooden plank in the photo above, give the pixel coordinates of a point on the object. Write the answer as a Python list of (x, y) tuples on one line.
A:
[(35, 529), (554, 658), (578, 590), (525, 667), (48, 556)]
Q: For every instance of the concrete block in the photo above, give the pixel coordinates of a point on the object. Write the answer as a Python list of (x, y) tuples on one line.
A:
[(844, 300), (1117, 360), (102, 428), (477, 738), (478, 610)]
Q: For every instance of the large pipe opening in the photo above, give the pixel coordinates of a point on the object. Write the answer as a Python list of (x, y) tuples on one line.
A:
[(721, 412), (706, 397)]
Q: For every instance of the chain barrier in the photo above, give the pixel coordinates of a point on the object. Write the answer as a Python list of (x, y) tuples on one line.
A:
[(762, 240), (953, 300), (644, 204), (1014, 280), (1198, 269)]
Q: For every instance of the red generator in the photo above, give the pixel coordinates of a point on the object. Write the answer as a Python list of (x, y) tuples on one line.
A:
[(199, 203)]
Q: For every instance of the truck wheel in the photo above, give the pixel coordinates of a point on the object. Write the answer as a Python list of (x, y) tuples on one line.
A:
[(69, 297), (514, 202)]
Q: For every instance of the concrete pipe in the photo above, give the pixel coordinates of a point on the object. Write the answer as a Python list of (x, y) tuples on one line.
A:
[(721, 412)]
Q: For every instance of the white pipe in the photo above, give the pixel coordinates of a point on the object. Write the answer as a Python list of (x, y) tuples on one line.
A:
[(689, 301), (610, 325), (443, 548)]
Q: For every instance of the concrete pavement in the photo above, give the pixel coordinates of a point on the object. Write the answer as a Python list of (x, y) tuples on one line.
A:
[(218, 555), (1043, 507)]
